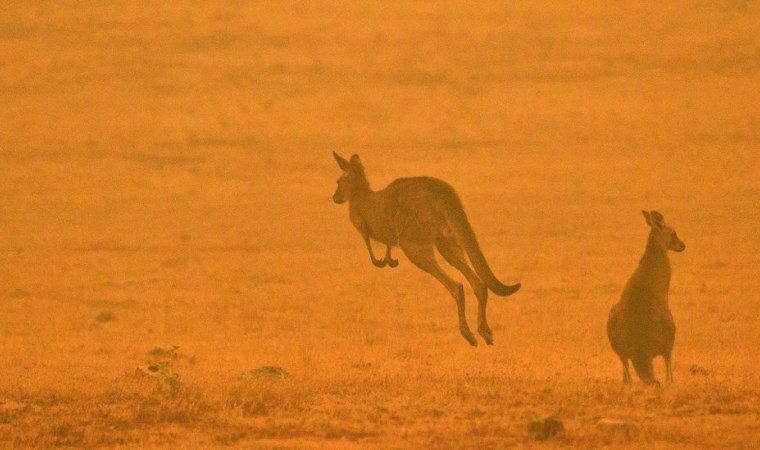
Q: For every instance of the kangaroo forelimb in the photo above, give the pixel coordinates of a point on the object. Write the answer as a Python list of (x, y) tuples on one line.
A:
[(377, 262), (387, 259)]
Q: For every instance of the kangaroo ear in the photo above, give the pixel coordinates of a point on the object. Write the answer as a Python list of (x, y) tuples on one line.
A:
[(654, 219), (647, 217), (355, 161), (657, 219), (342, 162)]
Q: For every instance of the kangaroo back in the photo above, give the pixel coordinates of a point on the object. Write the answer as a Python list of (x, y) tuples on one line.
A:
[(460, 226)]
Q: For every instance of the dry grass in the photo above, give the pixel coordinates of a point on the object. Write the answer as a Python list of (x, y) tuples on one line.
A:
[(165, 179)]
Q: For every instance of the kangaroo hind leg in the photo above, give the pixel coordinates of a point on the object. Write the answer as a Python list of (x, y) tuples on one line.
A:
[(454, 254), (422, 256), (626, 372), (668, 369)]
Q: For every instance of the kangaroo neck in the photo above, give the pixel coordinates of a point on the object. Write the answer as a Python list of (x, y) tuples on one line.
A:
[(360, 192), (655, 265), (360, 195), (654, 252), (360, 188)]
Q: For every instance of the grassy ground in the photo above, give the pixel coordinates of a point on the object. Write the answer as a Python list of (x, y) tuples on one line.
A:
[(165, 179)]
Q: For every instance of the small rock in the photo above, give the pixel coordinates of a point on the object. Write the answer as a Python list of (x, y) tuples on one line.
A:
[(265, 372), (615, 427), (159, 371), (163, 373), (698, 371), (545, 428), (159, 352)]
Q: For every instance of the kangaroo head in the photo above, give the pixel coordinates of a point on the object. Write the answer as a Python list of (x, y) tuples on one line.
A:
[(351, 178), (664, 234)]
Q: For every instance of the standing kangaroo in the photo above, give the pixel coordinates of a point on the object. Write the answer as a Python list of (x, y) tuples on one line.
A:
[(418, 214), (641, 326)]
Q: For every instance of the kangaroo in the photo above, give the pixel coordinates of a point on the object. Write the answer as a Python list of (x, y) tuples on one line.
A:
[(640, 325), (418, 214)]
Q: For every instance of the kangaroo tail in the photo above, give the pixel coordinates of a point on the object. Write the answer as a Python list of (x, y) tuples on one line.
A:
[(644, 369), (463, 232)]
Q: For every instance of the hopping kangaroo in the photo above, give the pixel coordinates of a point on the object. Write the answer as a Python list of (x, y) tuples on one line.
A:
[(641, 326), (418, 214)]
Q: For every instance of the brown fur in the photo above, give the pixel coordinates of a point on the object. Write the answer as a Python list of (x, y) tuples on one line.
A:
[(641, 325), (420, 214)]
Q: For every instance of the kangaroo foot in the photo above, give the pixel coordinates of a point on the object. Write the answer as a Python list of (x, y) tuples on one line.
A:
[(486, 334), (388, 258), (469, 336)]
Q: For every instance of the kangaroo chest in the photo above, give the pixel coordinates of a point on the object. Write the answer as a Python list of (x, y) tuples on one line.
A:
[(374, 219)]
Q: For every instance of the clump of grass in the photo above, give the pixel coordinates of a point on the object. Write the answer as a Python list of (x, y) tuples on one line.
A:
[(105, 316), (162, 369), (266, 372), (164, 374)]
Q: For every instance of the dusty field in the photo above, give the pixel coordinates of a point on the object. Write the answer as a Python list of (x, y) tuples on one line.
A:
[(165, 179)]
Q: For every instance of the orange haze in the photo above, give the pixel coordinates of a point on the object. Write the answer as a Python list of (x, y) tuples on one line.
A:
[(166, 175)]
